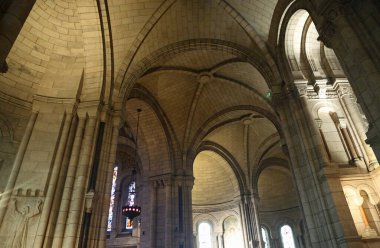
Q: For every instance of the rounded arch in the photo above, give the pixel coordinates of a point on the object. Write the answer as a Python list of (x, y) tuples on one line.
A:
[(229, 213), (295, 16), (157, 147), (266, 235), (215, 186), (313, 49), (232, 232), (231, 161), (141, 93), (325, 106), (283, 221), (266, 163), (287, 234), (210, 124), (352, 195), (372, 195), (209, 218), (276, 191), (293, 42)]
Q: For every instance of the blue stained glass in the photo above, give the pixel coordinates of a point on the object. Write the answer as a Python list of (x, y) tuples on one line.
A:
[(131, 202), (131, 193), (112, 199)]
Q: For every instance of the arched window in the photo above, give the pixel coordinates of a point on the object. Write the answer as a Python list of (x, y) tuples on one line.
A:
[(265, 235), (232, 234), (130, 202), (112, 200), (204, 235), (287, 237)]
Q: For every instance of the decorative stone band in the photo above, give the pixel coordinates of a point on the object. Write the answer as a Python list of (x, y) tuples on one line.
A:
[(339, 89)]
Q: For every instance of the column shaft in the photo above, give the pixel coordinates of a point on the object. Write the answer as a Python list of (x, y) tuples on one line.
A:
[(70, 176), (47, 208), (76, 207)]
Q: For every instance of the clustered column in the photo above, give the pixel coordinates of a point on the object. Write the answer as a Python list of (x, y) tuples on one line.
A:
[(250, 220)]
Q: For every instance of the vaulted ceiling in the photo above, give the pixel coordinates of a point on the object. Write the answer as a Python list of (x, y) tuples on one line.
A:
[(201, 70)]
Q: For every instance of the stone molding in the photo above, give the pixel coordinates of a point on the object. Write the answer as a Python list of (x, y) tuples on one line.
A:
[(69, 104), (28, 192), (344, 89), (16, 101), (340, 89), (205, 209)]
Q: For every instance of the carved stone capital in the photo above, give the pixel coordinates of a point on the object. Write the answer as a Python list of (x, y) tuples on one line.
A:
[(344, 90), (301, 89), (331, 12)]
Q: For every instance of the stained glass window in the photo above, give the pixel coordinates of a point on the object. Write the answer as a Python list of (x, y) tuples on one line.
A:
[(112, 200), (287, 237), (204, 235), (265, 235), (131, 202), (131, 193)]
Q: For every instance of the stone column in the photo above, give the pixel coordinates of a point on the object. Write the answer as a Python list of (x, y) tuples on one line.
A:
[(188, 211), (299, 91), (103, 179), (182, 207), (109, 170), (74, 217), (220, 240), (318, 184), (348, 101), (244, 224), (195, 240), (153, 213), (250, 214), (68, 187), (350, 146), (169, 213), (255, 204), (347, 33), (48, 210)]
